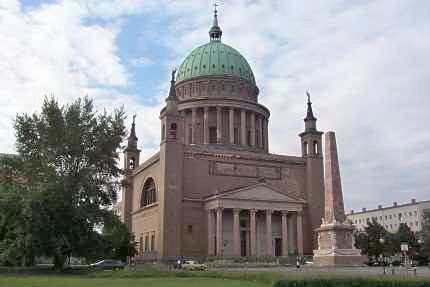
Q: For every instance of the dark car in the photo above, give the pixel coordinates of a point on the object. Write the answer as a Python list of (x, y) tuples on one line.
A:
[(108, 264)]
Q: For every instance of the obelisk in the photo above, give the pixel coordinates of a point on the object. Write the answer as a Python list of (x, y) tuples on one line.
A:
[(334, 209), (335, 236)]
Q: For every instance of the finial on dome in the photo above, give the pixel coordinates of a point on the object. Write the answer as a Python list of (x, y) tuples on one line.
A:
[(215, 32)]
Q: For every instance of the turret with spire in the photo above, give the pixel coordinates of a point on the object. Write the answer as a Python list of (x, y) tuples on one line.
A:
[(215, 32), (310, 120), (311, 141), (132, 138), (131, 162)]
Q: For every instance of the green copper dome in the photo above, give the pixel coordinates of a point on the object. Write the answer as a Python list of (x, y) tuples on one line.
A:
[(215, 58)]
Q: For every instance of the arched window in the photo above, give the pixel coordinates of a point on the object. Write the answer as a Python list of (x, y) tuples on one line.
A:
[(305, 148), (132, 163), (163, 132), (316, 147), (149, 193)]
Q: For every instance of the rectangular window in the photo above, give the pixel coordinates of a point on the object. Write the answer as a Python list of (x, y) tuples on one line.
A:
[(153, 241), (146, 242), (141, 245), (212, 135), (190, 135), (236, 136), (248, 138)]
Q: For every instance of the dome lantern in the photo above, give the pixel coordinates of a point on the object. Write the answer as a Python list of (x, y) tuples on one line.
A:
[(215, 32)]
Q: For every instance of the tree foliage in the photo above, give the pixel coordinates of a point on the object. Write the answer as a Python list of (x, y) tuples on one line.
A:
[(425, 234), (369, 240), (60, 187)]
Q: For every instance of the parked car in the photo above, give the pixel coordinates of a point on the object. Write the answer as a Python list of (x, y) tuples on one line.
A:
[(191, 265), (108, 264)]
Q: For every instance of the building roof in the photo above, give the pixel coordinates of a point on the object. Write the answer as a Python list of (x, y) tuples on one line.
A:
[(388, 207), (215, 59)]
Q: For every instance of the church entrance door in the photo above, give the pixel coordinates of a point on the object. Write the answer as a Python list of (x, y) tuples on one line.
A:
[(278, 246), (243, 245)]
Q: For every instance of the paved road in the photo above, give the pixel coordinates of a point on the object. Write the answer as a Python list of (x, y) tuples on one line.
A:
[(347, 271)]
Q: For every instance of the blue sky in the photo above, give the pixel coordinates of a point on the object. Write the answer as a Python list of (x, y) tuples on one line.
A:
[(366, 63)]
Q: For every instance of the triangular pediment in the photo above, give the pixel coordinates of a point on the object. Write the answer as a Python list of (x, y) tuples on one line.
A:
[(260, 191)]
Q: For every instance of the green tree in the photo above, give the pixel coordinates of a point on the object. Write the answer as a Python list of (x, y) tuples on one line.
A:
[(425, 235), (119, 242), (404, 234), (69, 165), (369, 240)]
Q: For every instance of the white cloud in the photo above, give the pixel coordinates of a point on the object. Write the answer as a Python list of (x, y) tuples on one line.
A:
[(141, 61), (51, 50), (366, 64)]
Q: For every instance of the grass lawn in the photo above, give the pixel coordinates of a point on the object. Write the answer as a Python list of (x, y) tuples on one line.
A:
[(63, 281)]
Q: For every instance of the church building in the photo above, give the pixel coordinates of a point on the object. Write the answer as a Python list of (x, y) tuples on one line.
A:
[(214, 189)]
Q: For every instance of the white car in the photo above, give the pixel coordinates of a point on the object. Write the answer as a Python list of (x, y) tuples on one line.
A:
[(192, 265)]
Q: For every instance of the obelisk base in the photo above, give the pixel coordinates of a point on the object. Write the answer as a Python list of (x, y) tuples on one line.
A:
[(336, 246)]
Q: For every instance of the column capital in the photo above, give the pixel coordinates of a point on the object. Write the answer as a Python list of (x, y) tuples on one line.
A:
[(284, 212), (269, 211), (253, 211), (219, 209), (206, 109), (218, 108), (236, 210), (299, 213)]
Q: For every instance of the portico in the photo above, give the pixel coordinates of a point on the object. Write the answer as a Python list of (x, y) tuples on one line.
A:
[(254, 221)]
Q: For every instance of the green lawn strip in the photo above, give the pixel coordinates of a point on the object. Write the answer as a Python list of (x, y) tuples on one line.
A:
[(59, 281)]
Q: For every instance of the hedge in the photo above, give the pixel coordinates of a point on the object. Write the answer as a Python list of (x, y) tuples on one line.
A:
[(351, 282)]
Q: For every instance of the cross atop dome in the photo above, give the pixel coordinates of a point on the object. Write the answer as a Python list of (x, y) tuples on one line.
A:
[(215, 32)]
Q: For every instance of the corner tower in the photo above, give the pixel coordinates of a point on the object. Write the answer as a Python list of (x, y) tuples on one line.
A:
[(131, 161), (311, 143), (171, 184)]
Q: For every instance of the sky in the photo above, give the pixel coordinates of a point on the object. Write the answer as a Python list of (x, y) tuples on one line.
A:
[(365, 63)]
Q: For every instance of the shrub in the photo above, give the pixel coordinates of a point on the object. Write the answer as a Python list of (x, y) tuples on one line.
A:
[(353, 282)]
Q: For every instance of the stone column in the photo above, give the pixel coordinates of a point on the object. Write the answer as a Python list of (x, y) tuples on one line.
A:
[(266, 134), (219, 232), (193, 125), (253, 231), (260, 131), (269, 247), (252, 129), (218, 124), (211, 241), (243, 126), (236, 232), (299, 233), (206, 125), (284, 233), (231, 125)]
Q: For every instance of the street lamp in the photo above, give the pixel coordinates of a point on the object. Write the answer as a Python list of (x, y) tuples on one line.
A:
[(382, 241)]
